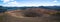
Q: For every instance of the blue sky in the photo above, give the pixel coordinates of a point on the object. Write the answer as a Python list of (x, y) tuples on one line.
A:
[(29, 2)]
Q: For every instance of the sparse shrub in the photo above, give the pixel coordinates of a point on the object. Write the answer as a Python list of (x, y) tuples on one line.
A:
[(57, 14), (32, 14)]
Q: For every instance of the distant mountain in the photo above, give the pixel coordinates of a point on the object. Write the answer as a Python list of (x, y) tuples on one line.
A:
[(52, 7), (44, 7)]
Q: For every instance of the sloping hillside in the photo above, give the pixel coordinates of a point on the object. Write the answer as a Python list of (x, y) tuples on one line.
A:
[(20, 15), (16, 16)]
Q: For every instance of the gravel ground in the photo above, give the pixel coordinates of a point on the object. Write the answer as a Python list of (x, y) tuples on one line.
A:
[(12, 18), (8, 18), (27, 19)]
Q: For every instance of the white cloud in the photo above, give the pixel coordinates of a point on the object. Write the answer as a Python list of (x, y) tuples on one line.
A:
[(12, 4), (5, 1), (55, 1), (18, 4)]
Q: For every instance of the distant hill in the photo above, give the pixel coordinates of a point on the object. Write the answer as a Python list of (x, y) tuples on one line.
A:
[(44, 7)]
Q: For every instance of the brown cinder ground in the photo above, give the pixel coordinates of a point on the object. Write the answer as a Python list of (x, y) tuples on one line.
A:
[(18, 16)]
